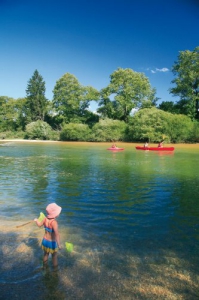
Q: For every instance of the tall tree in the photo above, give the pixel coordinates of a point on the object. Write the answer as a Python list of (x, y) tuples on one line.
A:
[(128, 89), (169, 106), (21, 110), (36, 100), (71, 99), (7, 114), (186, 70)]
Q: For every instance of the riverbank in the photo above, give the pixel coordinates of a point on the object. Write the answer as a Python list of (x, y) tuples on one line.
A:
[(120, 143), (105, 144), (28, 141)]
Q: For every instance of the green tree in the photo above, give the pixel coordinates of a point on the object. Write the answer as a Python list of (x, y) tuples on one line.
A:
[(36, 100), (108, 130), (180, 128), (106, 107), (148, 125), (129, 90), (155, 125), (194, 137), (71, 99), (20, 109), (169, 106), (75, 132), (38, 130), (8, 114), (186, 72)]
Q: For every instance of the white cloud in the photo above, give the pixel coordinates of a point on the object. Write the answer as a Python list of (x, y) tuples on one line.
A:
[(159, 70), (162, 70)]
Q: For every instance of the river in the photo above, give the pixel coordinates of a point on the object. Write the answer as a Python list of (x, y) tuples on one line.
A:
[(133, 217)]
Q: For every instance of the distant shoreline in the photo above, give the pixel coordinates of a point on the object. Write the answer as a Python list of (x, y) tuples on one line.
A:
[(125, 145), (23, 140)]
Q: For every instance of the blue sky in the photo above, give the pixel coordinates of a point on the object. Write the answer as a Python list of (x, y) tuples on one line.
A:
[(91, 39)]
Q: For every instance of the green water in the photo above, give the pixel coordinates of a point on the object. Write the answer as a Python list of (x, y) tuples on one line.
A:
[(128, 215)]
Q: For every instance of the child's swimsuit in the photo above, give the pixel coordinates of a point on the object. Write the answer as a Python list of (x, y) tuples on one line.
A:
[(49, 246), (49, 229)]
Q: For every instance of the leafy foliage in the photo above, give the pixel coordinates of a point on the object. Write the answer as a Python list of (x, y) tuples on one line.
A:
[(179, 128), (169, 106), (75, 132), (11, 115), (186, 70), (194, 136), (108, 130), (148, 124), (71, 100), (39, 130), (154, 125), (129, 90), (36, 100), (7, 114)]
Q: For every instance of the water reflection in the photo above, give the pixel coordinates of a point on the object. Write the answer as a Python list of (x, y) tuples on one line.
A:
[(130, 215)]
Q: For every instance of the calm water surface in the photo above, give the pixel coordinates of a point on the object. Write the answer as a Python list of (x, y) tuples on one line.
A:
[(139, 203)]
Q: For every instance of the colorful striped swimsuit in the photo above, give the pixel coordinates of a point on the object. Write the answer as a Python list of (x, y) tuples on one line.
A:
[(49, 246)]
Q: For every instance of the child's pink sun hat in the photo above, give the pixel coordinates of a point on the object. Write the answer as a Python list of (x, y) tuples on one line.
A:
[(53, 210)]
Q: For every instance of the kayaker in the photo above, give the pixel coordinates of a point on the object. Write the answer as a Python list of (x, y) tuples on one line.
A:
[(146, 145), (114, 146), (160, 144)]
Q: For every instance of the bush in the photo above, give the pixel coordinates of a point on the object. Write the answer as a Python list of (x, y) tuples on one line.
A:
[(155, 125), (180, 128), (75, 132), (12, 135), (38, 130), (194, 136), (108, 130), (149, 124)]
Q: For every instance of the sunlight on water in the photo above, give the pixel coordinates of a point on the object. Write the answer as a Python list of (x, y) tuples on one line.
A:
[(132, 216)]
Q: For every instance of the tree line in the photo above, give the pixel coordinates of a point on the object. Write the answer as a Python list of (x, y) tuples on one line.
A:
[(67, 116)]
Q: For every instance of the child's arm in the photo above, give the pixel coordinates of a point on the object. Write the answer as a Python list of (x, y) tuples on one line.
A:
[(39, 223), (57, 236)]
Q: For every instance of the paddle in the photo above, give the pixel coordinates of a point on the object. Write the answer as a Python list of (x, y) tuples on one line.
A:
[(41, 217)]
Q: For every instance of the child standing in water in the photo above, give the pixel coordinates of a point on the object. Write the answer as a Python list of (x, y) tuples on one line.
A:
[(51, 239)]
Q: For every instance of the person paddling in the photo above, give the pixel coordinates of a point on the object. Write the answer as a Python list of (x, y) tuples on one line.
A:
[(51, 240)]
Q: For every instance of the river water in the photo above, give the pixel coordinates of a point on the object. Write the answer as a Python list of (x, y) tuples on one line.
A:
[(133, 217)]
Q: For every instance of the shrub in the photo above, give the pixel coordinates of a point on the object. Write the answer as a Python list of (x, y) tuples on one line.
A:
[(108, 130), (75, 132), (154, 125), (12, 135), (194, 136), (148, 124), (38, 130), (180, 128)]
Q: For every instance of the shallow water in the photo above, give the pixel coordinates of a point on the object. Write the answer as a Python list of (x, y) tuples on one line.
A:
[(132, 216)]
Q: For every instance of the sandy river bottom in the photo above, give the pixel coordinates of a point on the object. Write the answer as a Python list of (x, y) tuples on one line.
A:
[(89, 273)]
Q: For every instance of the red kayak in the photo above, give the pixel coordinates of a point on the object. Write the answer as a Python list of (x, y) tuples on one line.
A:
[(115, 149), (155, 148)]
